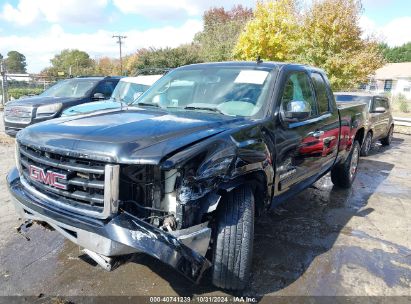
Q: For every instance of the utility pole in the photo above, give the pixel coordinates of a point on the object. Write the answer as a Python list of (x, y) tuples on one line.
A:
[(120, 42), (3, 75)]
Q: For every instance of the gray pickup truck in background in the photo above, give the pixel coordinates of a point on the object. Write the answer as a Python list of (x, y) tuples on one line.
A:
[(379, 122)]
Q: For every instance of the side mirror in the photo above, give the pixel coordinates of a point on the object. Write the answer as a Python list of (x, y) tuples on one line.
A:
[(98, 96), (379, 110), (297, 110)]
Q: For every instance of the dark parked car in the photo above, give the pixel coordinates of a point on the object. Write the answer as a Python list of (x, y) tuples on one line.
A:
[(379, 122), (126, 92), (182, 174), (50, 104)]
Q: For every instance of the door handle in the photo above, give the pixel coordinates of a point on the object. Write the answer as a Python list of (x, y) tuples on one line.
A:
[(318, 134)]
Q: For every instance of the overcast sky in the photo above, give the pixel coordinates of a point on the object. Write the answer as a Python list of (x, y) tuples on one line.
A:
[(41, 28)]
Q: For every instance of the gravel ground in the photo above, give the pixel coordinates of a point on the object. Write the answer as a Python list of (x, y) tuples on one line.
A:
[(325, 241)]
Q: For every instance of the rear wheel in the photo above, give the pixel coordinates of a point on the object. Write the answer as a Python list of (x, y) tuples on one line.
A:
[(344, 174), (386, 141), (366, 146), (233, 250)]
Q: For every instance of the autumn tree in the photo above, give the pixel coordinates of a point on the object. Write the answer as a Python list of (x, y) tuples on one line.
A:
[(221, 30), (16, 62), (130, 63), (271, 34), (107, 66), (327, 35), (331, 39)]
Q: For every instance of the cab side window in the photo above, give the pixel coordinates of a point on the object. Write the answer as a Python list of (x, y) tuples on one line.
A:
[(321, 93), (380, 102), (106, 88), (297, 92)]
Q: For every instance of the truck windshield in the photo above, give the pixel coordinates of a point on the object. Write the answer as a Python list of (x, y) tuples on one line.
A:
[(70, 88), (352, 98), (128, 92), (234, 91)]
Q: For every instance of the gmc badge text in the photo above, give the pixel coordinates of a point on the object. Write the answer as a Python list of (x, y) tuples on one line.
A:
[(181, 174)]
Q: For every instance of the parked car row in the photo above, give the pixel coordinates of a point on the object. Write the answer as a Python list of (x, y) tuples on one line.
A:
[(78, 95), (183, 170)]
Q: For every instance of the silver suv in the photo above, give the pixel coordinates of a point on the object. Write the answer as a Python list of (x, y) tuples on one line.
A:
[(379, 122)]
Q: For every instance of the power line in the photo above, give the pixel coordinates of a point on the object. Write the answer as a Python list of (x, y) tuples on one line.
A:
[(120, 42)]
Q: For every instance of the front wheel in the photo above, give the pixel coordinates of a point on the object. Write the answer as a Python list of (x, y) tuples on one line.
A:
[(233, 250), (343, 175), (386, 141)]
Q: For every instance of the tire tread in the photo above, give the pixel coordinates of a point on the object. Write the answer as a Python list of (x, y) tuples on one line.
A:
[(340, 174), (235, 232)]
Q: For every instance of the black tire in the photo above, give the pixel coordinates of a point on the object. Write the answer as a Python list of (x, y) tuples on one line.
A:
[(233, 250), (344, 174), (386, 141), (366, 146)]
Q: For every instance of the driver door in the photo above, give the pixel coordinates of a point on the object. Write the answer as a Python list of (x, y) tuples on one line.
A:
[(300, 139)]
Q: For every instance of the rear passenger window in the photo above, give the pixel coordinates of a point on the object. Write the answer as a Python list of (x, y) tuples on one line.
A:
[(106, 88), (321, 92), (380, 102)]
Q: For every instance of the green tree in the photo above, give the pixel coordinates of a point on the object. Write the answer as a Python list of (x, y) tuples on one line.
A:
[(396, 54), (221, 31), (271, 34), (16, 62), (77, 61), (164, 58)]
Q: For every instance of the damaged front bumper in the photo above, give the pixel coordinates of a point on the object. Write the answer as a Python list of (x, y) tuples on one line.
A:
[(183, 250)]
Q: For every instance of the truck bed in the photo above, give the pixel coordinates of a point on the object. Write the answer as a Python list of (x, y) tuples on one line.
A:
[(352, 118)]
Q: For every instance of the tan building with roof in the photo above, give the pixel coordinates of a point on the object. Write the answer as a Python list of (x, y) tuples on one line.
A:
[(392, 77)]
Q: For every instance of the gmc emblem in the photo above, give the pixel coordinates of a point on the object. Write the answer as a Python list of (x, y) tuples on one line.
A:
[(47, 177)]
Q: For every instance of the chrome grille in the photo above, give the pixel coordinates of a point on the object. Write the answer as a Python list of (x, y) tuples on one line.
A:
[(18, 114), (80, 185)]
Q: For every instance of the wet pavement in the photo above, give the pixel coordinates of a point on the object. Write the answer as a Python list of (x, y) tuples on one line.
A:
[(325, 241)]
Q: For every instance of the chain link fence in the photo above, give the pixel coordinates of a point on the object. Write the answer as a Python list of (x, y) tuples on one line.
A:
[(15, 86)]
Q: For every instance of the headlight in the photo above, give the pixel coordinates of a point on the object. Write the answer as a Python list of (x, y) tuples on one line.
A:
[(48, 110)]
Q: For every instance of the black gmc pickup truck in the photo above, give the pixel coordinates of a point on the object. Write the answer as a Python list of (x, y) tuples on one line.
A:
[(181, 174)]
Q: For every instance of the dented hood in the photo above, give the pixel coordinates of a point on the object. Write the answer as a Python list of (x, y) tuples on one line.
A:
[(126, 136)]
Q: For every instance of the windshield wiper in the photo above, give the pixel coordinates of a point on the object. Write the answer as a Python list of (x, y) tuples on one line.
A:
[(203, 108), (148, 104)]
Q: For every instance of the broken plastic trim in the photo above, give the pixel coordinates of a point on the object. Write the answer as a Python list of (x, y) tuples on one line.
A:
[(23, 228), (159, 244)]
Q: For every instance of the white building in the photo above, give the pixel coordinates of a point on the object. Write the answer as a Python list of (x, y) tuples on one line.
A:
[(19, 77), (394, 78)]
